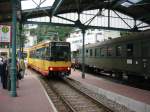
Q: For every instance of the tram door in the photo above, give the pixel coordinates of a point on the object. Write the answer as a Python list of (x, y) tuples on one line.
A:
[(146, 57), (43, 58), (47, 57)]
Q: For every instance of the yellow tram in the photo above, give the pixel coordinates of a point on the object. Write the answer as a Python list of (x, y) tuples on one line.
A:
[(51, 58)]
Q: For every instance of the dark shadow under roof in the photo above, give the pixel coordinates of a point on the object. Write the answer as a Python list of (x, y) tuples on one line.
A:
[(139, 11)]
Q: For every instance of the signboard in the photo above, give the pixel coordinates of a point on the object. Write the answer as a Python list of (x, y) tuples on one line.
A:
[(5, 33)]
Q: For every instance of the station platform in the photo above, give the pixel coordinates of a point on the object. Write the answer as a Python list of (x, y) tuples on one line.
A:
[(31, 97), (133, 98)]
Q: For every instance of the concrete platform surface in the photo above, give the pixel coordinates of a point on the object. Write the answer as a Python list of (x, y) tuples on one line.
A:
[(133, 98), (31, 97)]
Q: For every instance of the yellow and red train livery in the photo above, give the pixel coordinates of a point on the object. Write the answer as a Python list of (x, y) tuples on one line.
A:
[(50, 58)]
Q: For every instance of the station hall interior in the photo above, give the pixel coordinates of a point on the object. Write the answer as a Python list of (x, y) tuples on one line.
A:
[(100, 46)]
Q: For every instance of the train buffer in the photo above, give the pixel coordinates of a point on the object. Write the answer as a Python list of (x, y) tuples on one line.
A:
[(31, 97)]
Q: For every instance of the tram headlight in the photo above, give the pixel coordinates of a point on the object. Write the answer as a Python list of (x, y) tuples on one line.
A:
[(68, 68), (50, 68)]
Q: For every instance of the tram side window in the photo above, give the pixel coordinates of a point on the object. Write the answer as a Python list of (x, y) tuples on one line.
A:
[(118, 50), (32, 54), (43, 52), (129, 50), (37, 53), (40, 54), (47, 53)]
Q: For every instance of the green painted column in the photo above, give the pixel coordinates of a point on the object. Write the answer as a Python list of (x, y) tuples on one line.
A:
[(20, 39), (83, 55), (13, 63)]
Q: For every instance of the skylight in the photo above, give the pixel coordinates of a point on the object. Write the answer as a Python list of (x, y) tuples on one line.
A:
[(126, 4), (134, 1), (30, 4)]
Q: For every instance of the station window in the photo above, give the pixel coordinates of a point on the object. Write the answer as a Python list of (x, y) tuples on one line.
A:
[(2, 46), (129, 50), (109, 51), (118, 50)]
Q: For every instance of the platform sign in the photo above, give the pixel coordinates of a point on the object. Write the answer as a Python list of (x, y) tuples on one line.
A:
[(5, 33)]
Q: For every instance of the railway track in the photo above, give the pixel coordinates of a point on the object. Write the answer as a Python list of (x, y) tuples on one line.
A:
[(69, 98)]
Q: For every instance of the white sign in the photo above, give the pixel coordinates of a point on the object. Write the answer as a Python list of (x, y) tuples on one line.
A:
[(5, 33), (129, 61)]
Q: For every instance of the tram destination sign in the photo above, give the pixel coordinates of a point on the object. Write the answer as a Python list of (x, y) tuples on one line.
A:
[(5, 33)]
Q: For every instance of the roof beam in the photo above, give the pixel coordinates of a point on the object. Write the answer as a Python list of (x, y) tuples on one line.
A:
[(56, 7), (73, 25), (4, 1), (114, 3), (144, 16), (65, 19)]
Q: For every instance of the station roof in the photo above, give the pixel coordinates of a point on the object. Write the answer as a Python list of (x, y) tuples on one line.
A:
[(5, 10), (137, 9)]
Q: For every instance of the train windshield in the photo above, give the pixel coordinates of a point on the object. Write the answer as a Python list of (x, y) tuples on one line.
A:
[(60, 51)]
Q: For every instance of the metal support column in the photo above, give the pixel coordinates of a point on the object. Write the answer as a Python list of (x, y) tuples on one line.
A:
[(108, 18), (83, 54), (9, 69), (20, 39), (13, 64), (108, 13)]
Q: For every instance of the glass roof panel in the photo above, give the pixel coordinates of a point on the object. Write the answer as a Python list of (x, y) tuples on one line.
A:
[(31, 4)]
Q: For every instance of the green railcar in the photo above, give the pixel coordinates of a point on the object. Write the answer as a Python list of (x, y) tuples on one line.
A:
[(128, 56)]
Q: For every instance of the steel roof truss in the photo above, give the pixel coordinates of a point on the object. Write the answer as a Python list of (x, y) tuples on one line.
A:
[(122, 19), (57, 6), (65, 18), (38, 6), (73, 25), (91, 19)]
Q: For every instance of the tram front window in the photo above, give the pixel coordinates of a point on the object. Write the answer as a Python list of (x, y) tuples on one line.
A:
[(60, 52)]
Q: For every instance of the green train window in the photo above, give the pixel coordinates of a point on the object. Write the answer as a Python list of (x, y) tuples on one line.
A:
[(129, 50), (118, 50), (91, 52), (109, 51), (86, 50), (86, 53), (96, 52), (145, 51), (102, 51)]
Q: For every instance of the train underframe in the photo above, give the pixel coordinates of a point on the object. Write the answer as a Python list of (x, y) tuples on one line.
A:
[(50, 73), (117, 74), (59, 73)]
